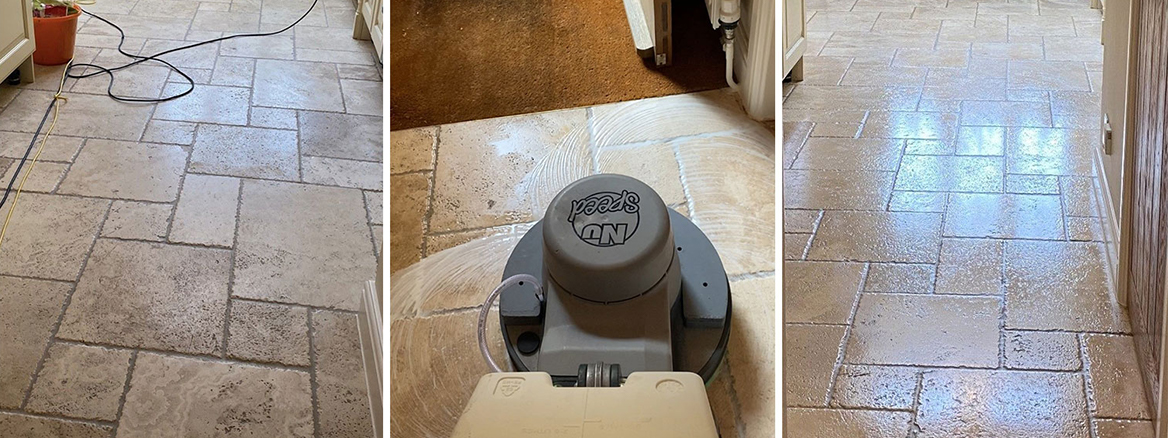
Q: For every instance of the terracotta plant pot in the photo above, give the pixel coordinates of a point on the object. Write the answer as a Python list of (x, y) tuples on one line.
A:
[(55, 37)]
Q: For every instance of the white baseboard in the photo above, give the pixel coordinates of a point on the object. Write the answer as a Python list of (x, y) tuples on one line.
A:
[(369, 329)]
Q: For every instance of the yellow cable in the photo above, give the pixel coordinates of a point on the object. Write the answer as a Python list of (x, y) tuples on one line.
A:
[(41, 148)]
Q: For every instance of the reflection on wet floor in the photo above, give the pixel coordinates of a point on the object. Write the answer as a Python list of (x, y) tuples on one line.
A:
[(944, 262)]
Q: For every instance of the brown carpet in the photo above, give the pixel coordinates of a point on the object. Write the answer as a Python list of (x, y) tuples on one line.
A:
[(457, 60)]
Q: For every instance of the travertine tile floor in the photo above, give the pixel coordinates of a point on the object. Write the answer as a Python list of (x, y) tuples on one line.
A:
[(192, 268), (464, 193), (943, 266)]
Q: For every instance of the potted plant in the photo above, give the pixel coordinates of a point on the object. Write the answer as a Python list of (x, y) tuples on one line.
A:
[(55, 24)]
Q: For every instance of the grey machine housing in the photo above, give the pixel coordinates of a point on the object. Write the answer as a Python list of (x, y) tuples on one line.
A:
[(628, 285)]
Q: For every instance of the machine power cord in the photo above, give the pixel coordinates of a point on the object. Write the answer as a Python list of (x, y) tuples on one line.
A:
[(486, 310), (138, 59)]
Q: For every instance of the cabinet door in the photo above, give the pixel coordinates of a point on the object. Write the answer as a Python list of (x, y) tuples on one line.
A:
[(12, 30), (794, 35)]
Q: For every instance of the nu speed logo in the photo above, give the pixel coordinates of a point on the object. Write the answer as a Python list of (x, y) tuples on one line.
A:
[(606, 218)]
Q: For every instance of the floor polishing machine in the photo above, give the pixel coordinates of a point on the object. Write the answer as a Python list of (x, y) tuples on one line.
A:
[(615, 313)]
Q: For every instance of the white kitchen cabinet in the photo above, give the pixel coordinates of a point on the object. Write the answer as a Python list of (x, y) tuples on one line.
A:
[(369, 22), (16, 39), (794, 38)]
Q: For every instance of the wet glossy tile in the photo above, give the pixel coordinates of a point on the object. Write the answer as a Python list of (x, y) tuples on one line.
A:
[(795, 134), (81, 382), (970, 266), (950, 173), (27, 426), (816, 423), (1041, 296), (1042, 351), (808, 361), (1003, 403), (881, 75), (1124, 429), (265, 332), (993, 113), (795, 245), (193, 397), (653, 164), (849, 154), (800, 221), (117, 169), (853, 98), (104, 117), (1032, 184), (245, 152), (896, 329), (348, 136), (1048, 75), (898, 277), (829, 189), (981, 140), (921, 202), (1115, 378), (1079, 196), (877, 237), (342, 397), (1004, 216), (824, 70), (874, 387), (1086, 229), (302, 244), (50, 236), (820, 292), (844, 130), (1050, 151), (137, 220), (409, 201), (28, 311), (286, 84), (754, 385), (207, 104), (919, 125), (928, 147), (117, 299)]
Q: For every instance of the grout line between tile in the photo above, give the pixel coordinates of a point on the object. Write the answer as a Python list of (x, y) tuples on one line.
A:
[(125, 392), (843, 347), (315, 385)]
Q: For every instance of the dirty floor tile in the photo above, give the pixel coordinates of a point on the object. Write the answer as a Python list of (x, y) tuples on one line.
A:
[(340, 377), (28, 311), (81, 382), (266, 332)]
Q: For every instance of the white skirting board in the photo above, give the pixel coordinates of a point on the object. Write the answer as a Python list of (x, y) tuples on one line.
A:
[(754, 58), (369, 329)]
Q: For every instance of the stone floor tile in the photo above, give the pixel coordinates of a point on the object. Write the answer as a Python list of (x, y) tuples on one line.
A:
[(265, 332), (800, 221), (1079, 196), (849, 154), (164, 131), (277, 118), (342, 397), (271, 153), (1124, 429), (50, 236), (1050, 151), (339, 172), (827, 189), (824, 97), (28, 311), (754, 345), (362, 97), (373, 204), (719, 392), (997, 113), (28, 426), (1002, 403), (824, 70), (205, 214), (808, 362), (1041, 296), (201, 57), (232, 22), (149, 295), (1042, 351), (1115, 378), (1085, 229), (137, 220), (848, 235), (118, 169), (268, 47), (919, 202), (795, 245), (864, 74), (90, 116), (1049, 75), (181, 396), (1032, 184), (653, 164), (795, 135), (333, 135), (302, 244), (409, 201), (1004, 216), (206, 104), (1041, 25), (57, 148), (950, 173), (820, 292), (332, 39), (874, 387), (970, 266), (41, 178), (897, 277), (896, 329), (285, 84), (81, 382), (981, 140), (816, 423), (904, 124), (362, 72), (412, 149), (233, 71), (679, 115)]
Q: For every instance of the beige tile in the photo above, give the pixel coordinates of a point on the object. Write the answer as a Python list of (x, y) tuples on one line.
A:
[(754, 345), (341, 392), (1086, 229), (245, 152), (673, 116), (921, 202), (332, 39), (143, 81), (830, 21), (1042, 351), (81, 382), (491, 172), (232, 71), (348, 136), (897, 277), (206, 104), (269, 47), (970, 266), (362, 97), (117, 169), (808, 361), (1079, 196), (1073, 48), (800, 221), (28, 311), (206, 211), (816, 423), (137, 220), (233, 22), (1050, 151), (409, 197), (1115, 378), (844, 130), (1003, 403), (794, 245), (103, 117), (865, 98), (302, 244), (881, 75), (1124, 429), (820, 292), (908, 237), (829, 189), (742, 235), (653, 164), (895, 329), (264, 332), (412, 149), (1041, 25), (874, 387), (49, 236), (1032, 184), (41, 178), (284, 84), (992, 113), (344, 173), (373, 205), (1049, 75), (794, 136), (945, 58), (278, 118), (824, 70), (1012, 51), (165, 131), (964, 30), (939, 173), (865, 43), (719, 392), (1004, 216), (27, 426), (902, 25), (57, 148), (1041, 296), (137, 294), (850, 154), (192, 397)]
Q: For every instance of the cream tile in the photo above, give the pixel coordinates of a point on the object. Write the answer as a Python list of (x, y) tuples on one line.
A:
[(268, 47), (948, 58), (147, 295), (795, 134), (858, 98), (205, 214), (164, 131), (1124, 429), (50, 236), (814, 423), (1050, 151), (820, 292), (344, 173), (824, 70), (57, 148), (103, 117), (909, 237), (245, 152), (273, 333), (1086, 229), (920, 202), (845, 130), (808, 361), (1041, 25), (28, 311), (755, 345), (331, 39), (950, 173), (206, 104), (1013, 51), (232, 71), (41, 178), (1032, 184), (137, 220), (826, 189), (897, 277), (1118, 389), (362, 97), (1042, 351), (895, 329), (991, 113), (27, 426), (412, 149), (970, 266), (918, 125), (1048, 75), (882, 75), (963, 29), (286, 84), (117, 169), (874, 387), (278, 118), (1041, 296), (409, 196), (830, 21), (1073, 48), (233, 22), (673, 116), (653, 164), (849, 154), (1079, 196), (1004, 216), (967, 402), (81, 382), (373, 205), (349, 136), (342, 397)]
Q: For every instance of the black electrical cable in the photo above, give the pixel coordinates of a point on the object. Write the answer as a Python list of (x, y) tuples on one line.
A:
[(138, 60)]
